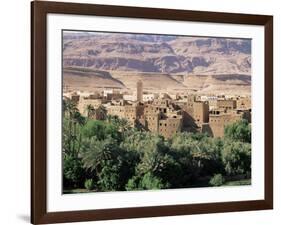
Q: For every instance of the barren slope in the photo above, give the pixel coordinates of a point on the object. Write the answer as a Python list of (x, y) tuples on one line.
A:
[(112, 60), (151, 81), (86, 79), (161, 54)]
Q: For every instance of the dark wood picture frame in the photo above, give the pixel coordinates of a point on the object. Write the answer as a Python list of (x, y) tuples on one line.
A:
[(39, 11)]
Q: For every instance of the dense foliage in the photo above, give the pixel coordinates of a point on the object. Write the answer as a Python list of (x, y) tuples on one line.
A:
[(217, 180), (109, 155), (89, 184), (239, 131)]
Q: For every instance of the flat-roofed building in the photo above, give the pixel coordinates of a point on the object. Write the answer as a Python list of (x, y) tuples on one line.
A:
[(228, 104), (201, 112), (149, 97), (83, 104), (218, 121), (170, 126), (128, 112), (195, 113), (244, 103)]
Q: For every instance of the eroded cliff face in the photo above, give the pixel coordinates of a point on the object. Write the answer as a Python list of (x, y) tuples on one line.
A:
[(177, 58), (169, 54)]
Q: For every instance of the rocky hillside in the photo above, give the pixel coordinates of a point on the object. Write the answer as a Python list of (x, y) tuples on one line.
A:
[(84, 79), (152, 53), (151, 81), (95, 60)]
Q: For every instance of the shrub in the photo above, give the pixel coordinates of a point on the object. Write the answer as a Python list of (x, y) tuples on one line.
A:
[(73, 171), (236, 157), (119, 158), (147, 182), (89, 184), (198, 155), (217, 180), (100, 129), (150, 182), (239, 131), (133, 184), (109, 176), (108, 162)]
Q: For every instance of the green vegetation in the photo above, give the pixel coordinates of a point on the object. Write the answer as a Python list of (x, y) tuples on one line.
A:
[(239, 131), (147, 182), (236, 157), (238, 182), (109, 155), (217, 180), (89, 184)]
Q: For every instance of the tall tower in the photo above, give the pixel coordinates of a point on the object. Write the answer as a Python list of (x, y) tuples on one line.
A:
[(139, 91)]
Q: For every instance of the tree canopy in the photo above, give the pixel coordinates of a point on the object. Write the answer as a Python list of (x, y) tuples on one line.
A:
[(109, 154)]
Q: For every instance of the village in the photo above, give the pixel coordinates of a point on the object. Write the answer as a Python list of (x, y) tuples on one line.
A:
[(165, 113)]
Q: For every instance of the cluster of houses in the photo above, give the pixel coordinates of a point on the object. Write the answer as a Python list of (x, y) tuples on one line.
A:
[(165, 113)]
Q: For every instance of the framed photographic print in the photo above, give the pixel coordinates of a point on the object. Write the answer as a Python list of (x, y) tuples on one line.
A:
[(144, 112)]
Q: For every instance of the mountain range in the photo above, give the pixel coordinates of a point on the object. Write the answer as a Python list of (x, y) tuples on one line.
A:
[(177, 62)]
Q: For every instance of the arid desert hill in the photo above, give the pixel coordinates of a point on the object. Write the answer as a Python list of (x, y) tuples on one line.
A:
[(151, 81), (84, 79), (77, 78), (161, 54), (95, 60)]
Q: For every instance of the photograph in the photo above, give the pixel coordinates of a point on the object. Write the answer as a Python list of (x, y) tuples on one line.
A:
[(143, 112), (154, 111)]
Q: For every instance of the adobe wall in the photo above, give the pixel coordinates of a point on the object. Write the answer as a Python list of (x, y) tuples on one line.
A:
[(168, 127), (217, 123)]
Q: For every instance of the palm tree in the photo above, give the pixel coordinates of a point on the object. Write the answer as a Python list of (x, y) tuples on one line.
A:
[(111, 118), (69, 107), (101, 112), (74, 121), (90, 111), (124, 125), (200, 155), (97, 152)]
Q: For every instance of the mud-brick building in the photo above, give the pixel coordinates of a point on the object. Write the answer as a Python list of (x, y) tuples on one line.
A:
[(219, 119), (75, 98), (151, 122), (126, 111), (244, 103), (163, 117), (133, 112), (201, 112), (227, 104), (83, 104), (170, 125), (116, 110), (114, 96), (160, 123), (194, 112)]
